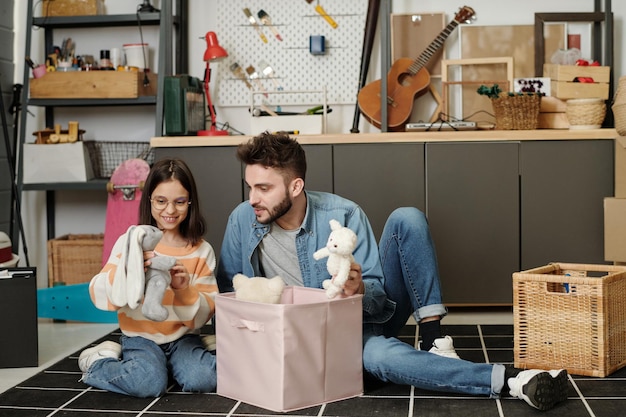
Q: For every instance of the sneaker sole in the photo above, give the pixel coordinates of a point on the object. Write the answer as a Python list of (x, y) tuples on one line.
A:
[(561, 384), (544, 391)]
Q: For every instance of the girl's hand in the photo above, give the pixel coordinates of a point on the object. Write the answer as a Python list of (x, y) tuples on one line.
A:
[(147, 255), (180, 277), (354, 284)]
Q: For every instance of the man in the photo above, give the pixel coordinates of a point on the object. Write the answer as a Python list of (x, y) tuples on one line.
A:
[(279, 228)]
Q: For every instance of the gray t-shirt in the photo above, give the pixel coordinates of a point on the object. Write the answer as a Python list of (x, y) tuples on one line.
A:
[(278, 256)]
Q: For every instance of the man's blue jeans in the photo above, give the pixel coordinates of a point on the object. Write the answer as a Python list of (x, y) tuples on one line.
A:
[(412, 281), (144, 368)]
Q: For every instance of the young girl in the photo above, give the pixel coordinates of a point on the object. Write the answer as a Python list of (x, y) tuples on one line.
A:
[(150, 352)]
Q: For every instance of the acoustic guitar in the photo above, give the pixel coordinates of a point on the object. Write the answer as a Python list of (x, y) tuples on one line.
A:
[(406, 80)]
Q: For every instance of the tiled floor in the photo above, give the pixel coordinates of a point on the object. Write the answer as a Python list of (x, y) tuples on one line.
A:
[(57, 390)]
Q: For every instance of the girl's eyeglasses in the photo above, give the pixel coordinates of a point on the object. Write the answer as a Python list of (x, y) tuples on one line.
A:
[(161, 203)]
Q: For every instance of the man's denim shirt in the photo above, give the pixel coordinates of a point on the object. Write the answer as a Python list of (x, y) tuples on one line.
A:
[(244, 233)]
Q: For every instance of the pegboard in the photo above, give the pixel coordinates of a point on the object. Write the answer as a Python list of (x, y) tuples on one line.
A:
[(294, 67)]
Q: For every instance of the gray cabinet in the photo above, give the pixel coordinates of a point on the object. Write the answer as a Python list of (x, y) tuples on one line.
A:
[(380, 177), (472, 196), (494, 207), (319, 173), (563, 185)]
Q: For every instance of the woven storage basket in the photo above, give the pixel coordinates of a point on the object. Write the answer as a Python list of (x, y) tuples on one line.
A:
[(619, 114), (585, 113), (106, 156), (570, 316), (516, 112), (74, 259), (619, 107)]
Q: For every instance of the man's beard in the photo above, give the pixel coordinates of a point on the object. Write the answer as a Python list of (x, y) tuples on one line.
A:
[(278, 211)]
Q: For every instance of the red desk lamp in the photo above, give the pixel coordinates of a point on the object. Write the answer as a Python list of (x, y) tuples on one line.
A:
[(214, 52)]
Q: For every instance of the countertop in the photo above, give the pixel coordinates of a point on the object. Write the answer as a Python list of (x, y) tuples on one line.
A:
[(397, 137)]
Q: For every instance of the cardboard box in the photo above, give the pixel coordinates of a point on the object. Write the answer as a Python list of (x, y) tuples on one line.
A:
[(72, 7), (93, 84), (552, 114), (570, 316), (620, 167), (60, 162), (18, 315), (305, 351), (564, 87), (615, 229)]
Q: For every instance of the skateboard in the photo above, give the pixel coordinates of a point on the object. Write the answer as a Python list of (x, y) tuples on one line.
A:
[(124, 193), (71, 302)]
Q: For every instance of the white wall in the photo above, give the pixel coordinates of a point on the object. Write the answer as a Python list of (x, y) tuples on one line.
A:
[(83, 212)]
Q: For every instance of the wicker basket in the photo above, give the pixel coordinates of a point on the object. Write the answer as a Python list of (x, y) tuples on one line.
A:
[(619, 107), (73, 259), (585, 113), (516, 112), (106, 156), (619, 114), (570, 316)]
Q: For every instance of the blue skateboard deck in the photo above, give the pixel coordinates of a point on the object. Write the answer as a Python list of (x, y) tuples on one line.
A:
[(71, 302)]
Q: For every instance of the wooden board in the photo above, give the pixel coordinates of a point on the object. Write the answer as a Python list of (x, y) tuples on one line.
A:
[(455, 90), (93, 84), (412, 33), (517, 41)]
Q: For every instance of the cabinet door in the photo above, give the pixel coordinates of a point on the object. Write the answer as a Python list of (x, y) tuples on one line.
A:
[(472, 196), (218, 176), (319, 172), (563, 185), (380, 177)]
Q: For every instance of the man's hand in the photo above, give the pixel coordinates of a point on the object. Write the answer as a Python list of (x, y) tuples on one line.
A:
[(354, 284)]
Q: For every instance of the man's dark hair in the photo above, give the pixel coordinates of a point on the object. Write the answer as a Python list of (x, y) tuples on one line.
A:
[(274, 150)]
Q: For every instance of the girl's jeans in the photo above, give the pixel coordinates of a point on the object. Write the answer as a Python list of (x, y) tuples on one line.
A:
[(144, 367)]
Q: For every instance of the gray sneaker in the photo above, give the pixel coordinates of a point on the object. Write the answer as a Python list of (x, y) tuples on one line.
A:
[(106, 349), (540, 389)]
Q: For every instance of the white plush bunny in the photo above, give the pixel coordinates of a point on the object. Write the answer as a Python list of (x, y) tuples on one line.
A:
[(131, 284)]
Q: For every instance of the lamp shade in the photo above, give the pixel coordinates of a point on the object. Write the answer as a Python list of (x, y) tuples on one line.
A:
[(214, 52)]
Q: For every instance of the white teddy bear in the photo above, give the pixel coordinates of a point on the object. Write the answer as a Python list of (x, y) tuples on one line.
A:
[(339, 247), (258, 289)]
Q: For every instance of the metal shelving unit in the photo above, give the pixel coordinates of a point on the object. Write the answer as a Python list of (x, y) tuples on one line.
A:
[(172, 26)]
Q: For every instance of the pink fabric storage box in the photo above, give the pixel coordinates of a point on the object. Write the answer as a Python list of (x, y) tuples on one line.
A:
[(305, 351)]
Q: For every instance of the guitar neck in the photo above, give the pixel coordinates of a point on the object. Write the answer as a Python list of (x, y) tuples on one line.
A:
[(434, 46)]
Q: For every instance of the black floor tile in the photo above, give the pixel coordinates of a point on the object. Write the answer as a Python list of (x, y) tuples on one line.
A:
[(25, 412), (58, 391), (496, 329), (369, 407), (436, 407), (193, 403), (512, 407), (110, 401), (601, 387), (500, 355), (608, 407)]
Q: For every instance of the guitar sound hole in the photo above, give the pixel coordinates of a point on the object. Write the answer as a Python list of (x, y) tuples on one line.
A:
[(405, 79)]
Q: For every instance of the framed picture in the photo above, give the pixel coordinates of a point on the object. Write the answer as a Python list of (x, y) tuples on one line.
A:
[(596, 18)]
